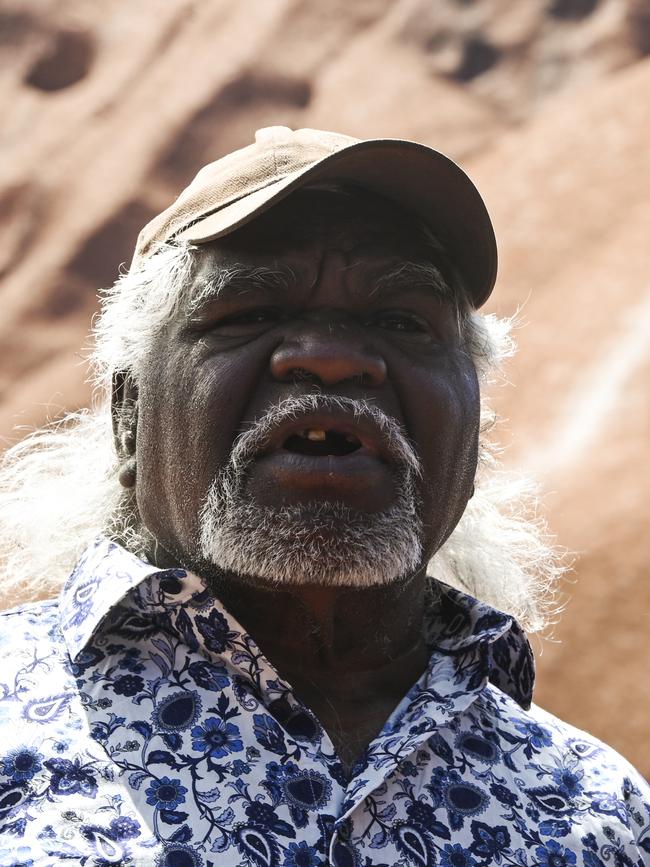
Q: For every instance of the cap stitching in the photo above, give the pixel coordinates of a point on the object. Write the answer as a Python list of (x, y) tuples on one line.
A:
[(216, 210)]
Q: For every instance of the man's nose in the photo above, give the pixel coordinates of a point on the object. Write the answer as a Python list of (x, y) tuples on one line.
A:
[(329, 353)]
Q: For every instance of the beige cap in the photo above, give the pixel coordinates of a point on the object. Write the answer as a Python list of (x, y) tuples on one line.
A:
[(233, 190)]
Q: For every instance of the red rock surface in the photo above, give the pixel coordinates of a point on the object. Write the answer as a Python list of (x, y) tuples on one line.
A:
[(108, 109)]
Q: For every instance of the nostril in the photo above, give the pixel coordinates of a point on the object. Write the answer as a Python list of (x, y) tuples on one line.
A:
[(363, 379), (300, 374), (327, 363)]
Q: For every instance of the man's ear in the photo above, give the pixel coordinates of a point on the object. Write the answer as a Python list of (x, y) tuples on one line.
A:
[(124, 416)]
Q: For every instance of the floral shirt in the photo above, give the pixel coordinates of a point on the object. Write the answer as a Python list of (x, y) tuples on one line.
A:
[(142, 726)]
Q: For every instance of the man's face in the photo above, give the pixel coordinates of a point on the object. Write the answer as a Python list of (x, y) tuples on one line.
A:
[(317, 418)]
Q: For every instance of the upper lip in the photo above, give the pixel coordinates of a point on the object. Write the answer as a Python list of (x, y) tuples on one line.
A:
[(364, 428)]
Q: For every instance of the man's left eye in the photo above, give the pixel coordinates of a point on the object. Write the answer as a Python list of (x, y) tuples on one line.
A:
[(401, 322)]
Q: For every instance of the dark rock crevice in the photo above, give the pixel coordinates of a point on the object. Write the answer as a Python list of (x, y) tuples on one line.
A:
[(67, 59)]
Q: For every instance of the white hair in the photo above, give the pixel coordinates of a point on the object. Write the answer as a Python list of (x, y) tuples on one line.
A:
[(59, 487)]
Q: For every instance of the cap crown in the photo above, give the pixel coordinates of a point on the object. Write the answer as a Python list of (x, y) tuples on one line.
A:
[(276, 153), (232, 191)]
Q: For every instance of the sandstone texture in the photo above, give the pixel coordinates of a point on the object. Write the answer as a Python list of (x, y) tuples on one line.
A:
[(109, 109)]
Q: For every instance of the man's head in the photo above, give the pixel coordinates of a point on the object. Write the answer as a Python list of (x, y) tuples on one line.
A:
[(353, 271), (310, 412)]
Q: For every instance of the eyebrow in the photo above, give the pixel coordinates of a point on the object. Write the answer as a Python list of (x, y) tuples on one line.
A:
[(238, 279), (413, 274)]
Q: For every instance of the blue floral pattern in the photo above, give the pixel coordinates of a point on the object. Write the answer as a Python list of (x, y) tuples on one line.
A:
[(143, 726)]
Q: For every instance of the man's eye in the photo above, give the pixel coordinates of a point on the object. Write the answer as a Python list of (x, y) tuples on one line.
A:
[(258, 316), (401, 322)]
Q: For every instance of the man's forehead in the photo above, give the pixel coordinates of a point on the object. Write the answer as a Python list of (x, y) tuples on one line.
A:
[(359, 253), (366, 229), (237, 271)]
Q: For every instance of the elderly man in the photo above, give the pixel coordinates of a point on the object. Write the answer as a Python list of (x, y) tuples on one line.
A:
[(249, 664)]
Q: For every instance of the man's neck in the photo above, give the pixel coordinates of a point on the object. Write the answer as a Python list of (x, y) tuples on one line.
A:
[(350, 654)]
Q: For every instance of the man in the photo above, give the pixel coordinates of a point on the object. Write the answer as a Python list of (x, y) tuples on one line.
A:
[(249, 665)]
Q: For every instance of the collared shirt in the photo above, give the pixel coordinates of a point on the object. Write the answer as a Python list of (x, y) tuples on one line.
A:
[(141, 725)]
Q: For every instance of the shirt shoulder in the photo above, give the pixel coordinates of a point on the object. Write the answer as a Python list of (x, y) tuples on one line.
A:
[(28, 629), (36, 677), (28, 623), (26, 608), (570, 771), (602, 764)]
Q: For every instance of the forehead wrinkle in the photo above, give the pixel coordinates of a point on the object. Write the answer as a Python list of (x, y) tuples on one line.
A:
[(399, 274), (332, 256)]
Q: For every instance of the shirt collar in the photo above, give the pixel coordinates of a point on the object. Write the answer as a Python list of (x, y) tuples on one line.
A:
[(107, 575)]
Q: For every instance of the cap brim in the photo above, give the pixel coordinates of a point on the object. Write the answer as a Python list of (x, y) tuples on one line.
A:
[(420, 179)]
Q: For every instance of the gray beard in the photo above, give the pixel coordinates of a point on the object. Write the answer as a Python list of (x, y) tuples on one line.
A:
[(324, 543)]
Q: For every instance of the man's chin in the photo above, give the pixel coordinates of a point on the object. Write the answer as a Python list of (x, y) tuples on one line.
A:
[(315, 544)]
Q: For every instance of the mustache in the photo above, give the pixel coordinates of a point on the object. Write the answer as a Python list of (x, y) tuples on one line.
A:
[(251, 442)]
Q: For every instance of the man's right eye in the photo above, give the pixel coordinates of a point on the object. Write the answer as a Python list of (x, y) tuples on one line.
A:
[(256, 316)]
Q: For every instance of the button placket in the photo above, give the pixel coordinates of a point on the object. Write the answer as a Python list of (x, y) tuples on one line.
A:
[(434, 702)]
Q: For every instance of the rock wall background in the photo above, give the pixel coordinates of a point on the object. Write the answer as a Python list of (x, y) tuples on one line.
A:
[(108, 109)]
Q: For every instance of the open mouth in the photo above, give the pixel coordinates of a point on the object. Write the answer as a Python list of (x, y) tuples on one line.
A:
[(322, 442), (325, 455)]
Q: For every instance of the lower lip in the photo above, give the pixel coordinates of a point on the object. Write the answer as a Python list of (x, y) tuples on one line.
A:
[(359, 478)]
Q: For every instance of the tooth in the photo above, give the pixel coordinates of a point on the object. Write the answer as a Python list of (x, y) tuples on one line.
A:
[(316, 435)]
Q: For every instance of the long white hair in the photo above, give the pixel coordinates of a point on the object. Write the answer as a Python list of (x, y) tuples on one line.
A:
[(59, 487)]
